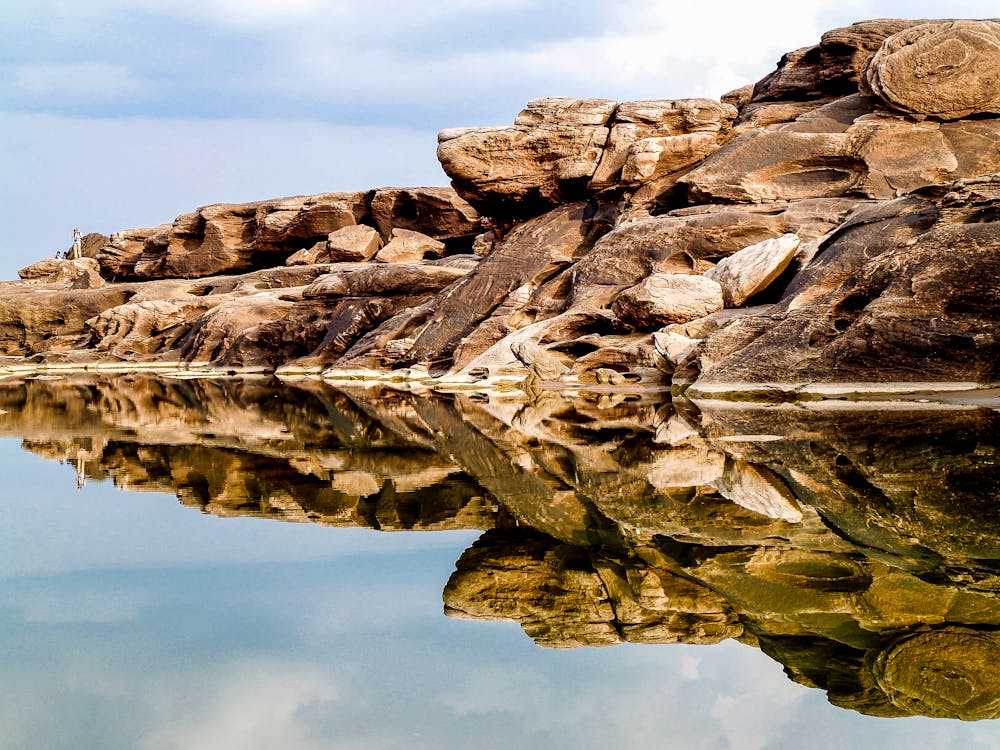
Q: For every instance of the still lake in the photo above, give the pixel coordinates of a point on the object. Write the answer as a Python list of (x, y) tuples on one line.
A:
[(250, 564)]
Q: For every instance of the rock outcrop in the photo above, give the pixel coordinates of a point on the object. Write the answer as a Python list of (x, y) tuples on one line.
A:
[(845, 205)]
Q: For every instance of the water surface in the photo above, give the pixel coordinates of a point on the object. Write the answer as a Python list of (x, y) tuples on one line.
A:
[(615, 569)]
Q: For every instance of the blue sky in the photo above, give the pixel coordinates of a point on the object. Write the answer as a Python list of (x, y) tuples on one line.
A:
[(123, 113)]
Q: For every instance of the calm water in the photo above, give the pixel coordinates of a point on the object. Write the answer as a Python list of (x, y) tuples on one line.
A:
[(278, 572)]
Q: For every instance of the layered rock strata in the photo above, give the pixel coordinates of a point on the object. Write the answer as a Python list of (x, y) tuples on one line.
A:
[(846, 205)]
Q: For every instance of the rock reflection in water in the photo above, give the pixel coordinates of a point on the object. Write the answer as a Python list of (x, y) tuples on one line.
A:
[(857, 547)]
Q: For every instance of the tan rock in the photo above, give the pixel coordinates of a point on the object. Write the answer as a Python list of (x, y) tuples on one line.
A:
[(437, 212), (664, 298), (649, 139), (752, 269), (119, 255), (355, 243), (135, 328), (946, 69), (674, 347), (546, 157), (318, 253), (844, 148), (686, 466), (409, 247)]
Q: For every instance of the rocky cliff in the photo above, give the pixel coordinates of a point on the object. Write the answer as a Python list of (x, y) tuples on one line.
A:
[(835, 222)]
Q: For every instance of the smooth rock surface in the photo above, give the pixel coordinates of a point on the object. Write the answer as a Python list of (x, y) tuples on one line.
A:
[(749, 271), (947, 70), (663, 298)]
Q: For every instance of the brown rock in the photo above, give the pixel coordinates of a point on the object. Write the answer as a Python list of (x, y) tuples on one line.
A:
[(436, 212), (691, 241), (122, 251), (409, 247), (534, 251), (890, 297), (649, 139), (664, 298), (354, 243), (547, 157), (948, 70), (838, 150), (749, 271)]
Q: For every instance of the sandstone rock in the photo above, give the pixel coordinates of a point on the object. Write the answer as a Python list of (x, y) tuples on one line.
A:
[(831, 68), (664, 298), (41, 269), (409, 247), (137, 328), (436, 212), (533, 252), (378, 280), (674, 347), (686, 466), (749, 271), (941, 673), (122, 251), (82, 273), (691, 241), (547, 157), (945, 69), (354, 243), (649, 139), (840, 150), (888, 298), (318, 253)]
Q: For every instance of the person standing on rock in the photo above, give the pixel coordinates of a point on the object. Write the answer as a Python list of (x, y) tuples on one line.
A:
[(77, 250)]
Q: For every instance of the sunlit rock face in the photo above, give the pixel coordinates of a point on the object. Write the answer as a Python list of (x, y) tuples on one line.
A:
[(885, 136)]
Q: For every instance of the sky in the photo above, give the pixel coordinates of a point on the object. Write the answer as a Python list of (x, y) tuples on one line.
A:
[(117, 114)]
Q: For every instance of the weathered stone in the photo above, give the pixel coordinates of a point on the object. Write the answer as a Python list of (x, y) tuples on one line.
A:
[(945, 69), (533, 252), (436, 212), (81, 273), (138, 328), (664, 298), (318, 253), (840, 149), (122, 251), (889, 297), (691, 241), (353, 244), (749, 271), (379, 280), (649, 139), (409, 247), (831, 68), (674, 347), (547, 157)]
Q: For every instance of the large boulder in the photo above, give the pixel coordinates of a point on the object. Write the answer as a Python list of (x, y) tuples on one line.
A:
[(547, 157), (948, 70)]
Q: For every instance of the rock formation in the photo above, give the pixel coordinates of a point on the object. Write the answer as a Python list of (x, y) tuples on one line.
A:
[(846, 204)]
